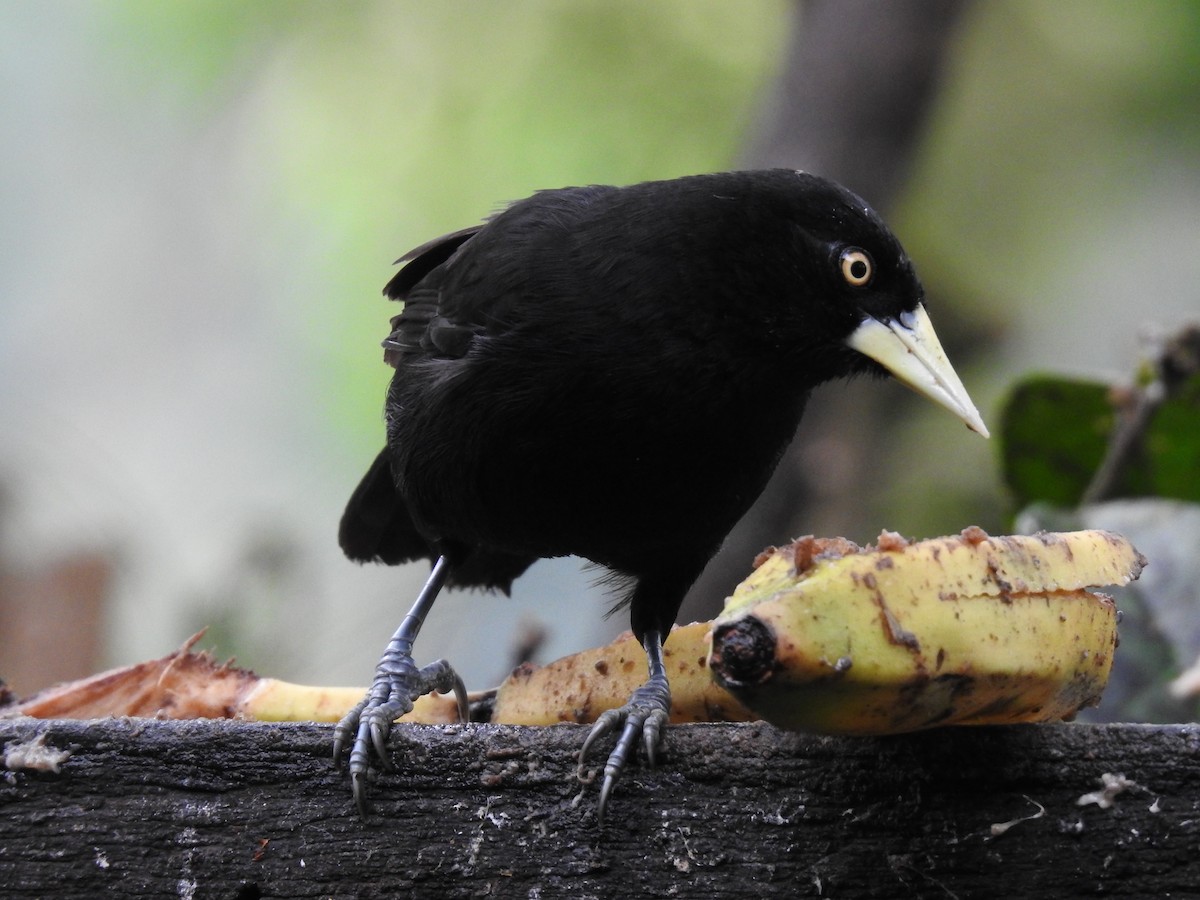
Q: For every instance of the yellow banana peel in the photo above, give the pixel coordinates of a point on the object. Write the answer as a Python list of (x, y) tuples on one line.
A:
[(188, 684), (580, 687), (272, 700), (823, 636), (958, 630)]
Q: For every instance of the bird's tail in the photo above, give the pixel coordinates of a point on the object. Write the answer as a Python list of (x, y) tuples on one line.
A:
[(376, 527)]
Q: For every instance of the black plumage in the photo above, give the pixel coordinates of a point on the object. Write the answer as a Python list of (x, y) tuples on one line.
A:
[(614, 373)]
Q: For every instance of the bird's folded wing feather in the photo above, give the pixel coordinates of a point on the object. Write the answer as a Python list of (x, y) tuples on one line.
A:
[(421, 329)]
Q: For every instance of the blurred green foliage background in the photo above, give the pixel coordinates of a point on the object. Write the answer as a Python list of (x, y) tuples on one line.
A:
[(201, 200)]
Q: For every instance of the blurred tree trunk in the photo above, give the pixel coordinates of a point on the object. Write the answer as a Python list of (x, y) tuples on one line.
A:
[(51, 619), (851, 103)]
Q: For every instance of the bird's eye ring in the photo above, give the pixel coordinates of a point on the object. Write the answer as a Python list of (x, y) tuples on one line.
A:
[(857, 266)]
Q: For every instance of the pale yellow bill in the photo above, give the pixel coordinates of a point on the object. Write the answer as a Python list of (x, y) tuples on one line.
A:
[(909, 348)]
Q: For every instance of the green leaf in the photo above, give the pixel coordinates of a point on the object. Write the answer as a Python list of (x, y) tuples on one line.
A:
[(1055, 431), (1172, 445), (1053, 434)]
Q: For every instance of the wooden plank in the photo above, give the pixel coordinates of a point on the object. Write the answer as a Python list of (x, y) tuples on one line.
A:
[(228, 809)]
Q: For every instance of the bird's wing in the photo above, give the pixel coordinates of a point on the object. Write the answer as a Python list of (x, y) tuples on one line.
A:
[(421, 329), (478, 280), (420, 261)]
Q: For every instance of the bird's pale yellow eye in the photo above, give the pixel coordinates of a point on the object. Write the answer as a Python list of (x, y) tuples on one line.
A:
[(857, 267)]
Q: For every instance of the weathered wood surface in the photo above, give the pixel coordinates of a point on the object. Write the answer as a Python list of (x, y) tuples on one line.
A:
[(227, 809)]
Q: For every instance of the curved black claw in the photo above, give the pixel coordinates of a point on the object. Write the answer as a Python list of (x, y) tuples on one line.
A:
[(398, 682), (645, 714)]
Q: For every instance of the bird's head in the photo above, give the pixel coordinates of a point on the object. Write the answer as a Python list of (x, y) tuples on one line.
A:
[(860, 287)]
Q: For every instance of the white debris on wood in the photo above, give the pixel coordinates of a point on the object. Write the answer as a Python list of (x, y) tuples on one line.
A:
[(34, 755), (1112, 785)]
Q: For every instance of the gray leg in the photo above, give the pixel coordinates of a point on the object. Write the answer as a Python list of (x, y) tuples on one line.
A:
[(644, 715), (398, 682)]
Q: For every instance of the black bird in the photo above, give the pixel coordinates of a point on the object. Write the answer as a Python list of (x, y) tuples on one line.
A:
[(614, 372)]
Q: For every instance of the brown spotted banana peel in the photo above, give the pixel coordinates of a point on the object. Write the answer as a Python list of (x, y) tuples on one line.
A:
[(580, 687), (964, 630)]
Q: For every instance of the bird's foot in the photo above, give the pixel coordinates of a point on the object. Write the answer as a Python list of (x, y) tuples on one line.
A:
[(644, 715), (398, 682)]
